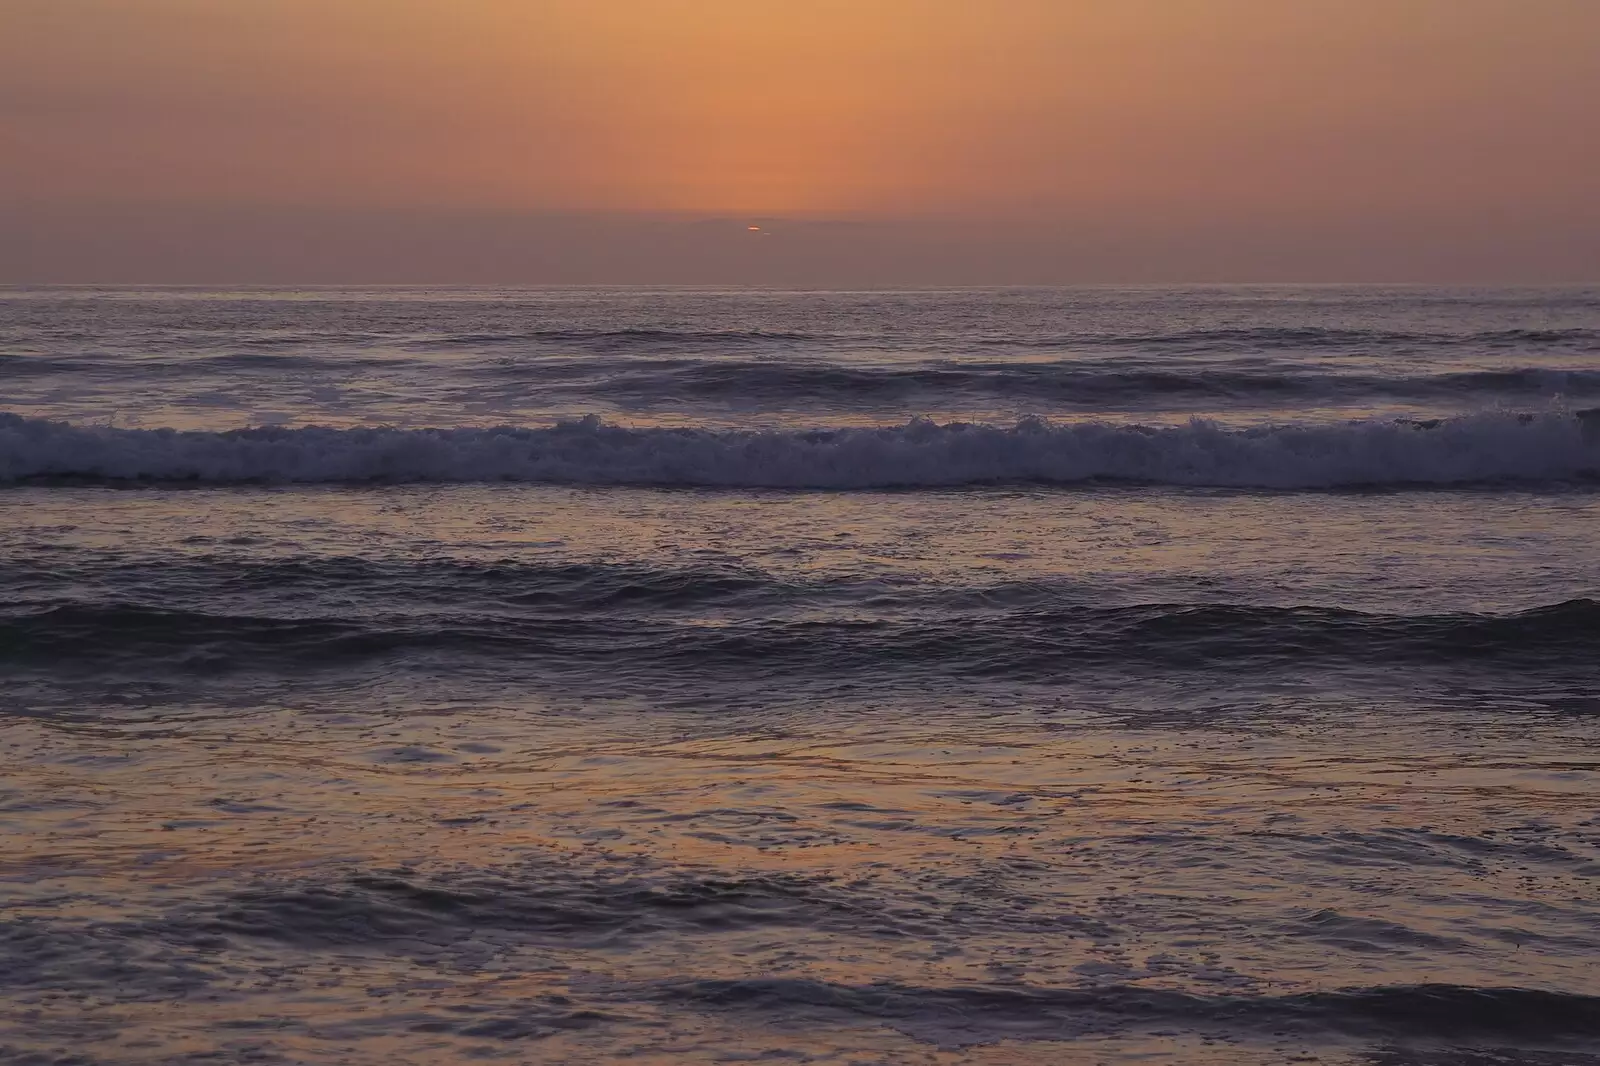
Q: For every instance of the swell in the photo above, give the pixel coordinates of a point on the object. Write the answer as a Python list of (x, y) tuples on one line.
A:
[(784, 381), (1478, 449), (141, 367), (457, 915), (369, 909), (1062, 382), (1275, 338), (1018, 644), (495, 586), (1317, 337), (625, 340), (1437, 1011)]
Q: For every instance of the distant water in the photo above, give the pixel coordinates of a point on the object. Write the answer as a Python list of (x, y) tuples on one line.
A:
[(1056, 676)]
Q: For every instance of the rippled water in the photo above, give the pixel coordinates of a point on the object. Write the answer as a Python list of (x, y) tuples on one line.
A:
[(566, 676)]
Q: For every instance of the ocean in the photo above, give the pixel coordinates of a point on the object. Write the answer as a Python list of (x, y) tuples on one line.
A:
[(1157, 675)]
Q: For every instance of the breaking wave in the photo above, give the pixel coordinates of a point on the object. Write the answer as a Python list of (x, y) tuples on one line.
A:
[(1477, 449)]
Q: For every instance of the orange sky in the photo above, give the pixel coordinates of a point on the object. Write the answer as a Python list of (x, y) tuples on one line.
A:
[(1048, 113)]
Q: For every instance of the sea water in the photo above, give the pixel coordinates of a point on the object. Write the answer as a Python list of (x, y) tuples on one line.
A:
[(993, 676)]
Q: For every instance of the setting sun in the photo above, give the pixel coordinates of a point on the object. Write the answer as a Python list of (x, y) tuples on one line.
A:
[(1037, 134)]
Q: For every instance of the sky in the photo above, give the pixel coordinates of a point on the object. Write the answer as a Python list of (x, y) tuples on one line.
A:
[(815, 142)]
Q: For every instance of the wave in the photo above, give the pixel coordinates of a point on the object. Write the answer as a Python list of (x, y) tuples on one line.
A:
[(147, 368), (216, 581), (565, 902), (379, 909), (623, 340), (1060, 382), (1278, 338), (1275, 338), (730, 377), (1478, 449), (1027, 644), (1437, 1011)]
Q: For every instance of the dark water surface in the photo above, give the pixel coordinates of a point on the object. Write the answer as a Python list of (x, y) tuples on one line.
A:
[(1090, 676)]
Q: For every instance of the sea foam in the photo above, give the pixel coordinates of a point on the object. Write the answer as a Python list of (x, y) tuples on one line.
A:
[(1477, 449)]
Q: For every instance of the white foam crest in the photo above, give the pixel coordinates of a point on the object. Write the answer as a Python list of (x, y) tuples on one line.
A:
[(1478, 448)]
